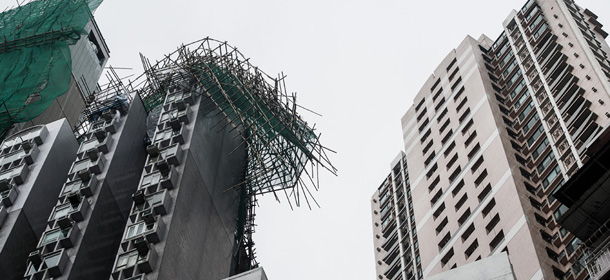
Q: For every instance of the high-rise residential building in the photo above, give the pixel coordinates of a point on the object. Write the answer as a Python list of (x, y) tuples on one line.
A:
[(396, 246), (156, 179), (493, 132)]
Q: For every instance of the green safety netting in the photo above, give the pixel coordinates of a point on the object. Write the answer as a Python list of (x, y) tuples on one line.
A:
[(35, 61)]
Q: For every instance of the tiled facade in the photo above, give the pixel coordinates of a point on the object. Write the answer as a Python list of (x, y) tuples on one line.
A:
[(495, 130)]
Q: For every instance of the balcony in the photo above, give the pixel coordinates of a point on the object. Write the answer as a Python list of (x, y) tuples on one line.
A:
[(598, 263)]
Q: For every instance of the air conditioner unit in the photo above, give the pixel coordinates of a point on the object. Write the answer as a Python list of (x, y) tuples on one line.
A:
[(5, 184), (26, 145), (74, 198), (93, 154), (100, 135), (149, 217), (139, 197), (84, 175), (142, 246), (163, 167), (65, 222), (152, 150), (35, 258)]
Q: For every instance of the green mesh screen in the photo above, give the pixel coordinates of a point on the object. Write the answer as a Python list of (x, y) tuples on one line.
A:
[(35, 61)]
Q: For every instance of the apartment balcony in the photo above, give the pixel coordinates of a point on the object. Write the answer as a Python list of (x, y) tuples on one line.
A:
[(598, 263)]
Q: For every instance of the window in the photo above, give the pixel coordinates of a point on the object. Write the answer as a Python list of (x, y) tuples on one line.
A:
[(442, 114), (72, 187), (455, 173), (129, 259), (459, 106), (457, 188), (492, 224), (451, 64), (534, 137), (157, 198), (432, 88), (474, 151), (540, 30), (452, 161), (520, 101), (455, 72), (447, 257), (470, 138), (488, 207), (440, 103), (444, 126), (427, 148), (137, 229), (437, 94), (496, 241), (442, 225), (151, 179), (484, 192), (477, 163), (425, 136), (436, 197), (430, 158), (464, 216), (457, 82), (514, 78), (458, 94), (530, 124), (48, 261), (54, 235), (467, 126), (549, 178), (446, 138), (439, 211), (63, 210), (432, 170), (526, 111), (444, 241), (467, 232), (471, 248), (480, 179), (461, 202), (434, 183), (517, 89), (541, 147), (449, 148), (546, 162), (464, 115)]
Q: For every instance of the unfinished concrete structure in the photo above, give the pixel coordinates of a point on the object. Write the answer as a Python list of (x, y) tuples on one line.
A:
[(493, 133)]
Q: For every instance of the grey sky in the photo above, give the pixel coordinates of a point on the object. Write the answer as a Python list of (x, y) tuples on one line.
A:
[(358, 63)]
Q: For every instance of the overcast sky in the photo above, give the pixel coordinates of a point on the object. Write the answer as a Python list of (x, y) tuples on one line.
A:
[(358, 63)]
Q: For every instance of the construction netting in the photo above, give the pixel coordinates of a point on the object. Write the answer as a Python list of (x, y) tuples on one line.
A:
[(35, 60)]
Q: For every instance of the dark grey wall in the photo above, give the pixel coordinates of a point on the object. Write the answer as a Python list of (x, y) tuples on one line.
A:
[(200, 241), (99, 245), (24, 227)]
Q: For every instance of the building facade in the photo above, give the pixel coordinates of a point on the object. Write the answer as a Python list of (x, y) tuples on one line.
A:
[(496, 129), (396, 246)]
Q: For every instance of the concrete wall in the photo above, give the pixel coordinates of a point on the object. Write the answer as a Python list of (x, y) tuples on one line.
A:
[(200, 239), (26, 221), (102, 232)]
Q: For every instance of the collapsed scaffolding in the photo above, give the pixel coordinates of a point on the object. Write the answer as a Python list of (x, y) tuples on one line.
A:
[(284, 153)]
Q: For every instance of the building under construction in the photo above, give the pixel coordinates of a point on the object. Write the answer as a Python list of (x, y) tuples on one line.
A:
[(164, 181)]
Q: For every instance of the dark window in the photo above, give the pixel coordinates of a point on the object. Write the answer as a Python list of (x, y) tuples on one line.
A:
[(492, 224), (467, 232), (488, 207), (464, 216)]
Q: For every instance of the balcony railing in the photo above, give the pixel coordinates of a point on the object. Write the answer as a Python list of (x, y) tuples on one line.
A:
[(598, 264)]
